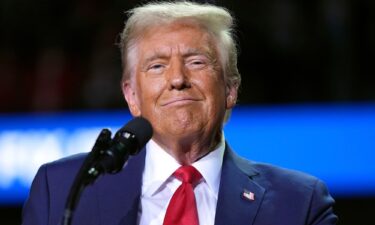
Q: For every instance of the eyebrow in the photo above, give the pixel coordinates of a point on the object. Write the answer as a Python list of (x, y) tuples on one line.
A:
[(164, 54), (155, 55), (194, 51)]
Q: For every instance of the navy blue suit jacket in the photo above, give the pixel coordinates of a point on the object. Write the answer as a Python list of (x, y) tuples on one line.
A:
[(281, 197)]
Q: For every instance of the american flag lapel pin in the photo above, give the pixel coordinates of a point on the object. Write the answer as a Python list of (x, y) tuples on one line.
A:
[(248, 195)]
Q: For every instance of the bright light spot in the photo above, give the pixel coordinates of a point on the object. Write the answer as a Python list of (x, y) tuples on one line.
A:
[(23, 152)]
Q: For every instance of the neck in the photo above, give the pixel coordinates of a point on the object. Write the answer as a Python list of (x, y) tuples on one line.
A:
[(188, 150)]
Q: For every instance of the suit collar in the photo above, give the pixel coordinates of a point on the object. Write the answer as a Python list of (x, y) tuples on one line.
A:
[(235, 204)]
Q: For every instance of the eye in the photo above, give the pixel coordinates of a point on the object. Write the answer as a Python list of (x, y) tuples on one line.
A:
[(156, 68), (197, 63)]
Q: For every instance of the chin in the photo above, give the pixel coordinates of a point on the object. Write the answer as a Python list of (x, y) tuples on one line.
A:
[(184, 127)]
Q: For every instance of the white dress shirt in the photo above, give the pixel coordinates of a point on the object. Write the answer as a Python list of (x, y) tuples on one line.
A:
[(159, 185)]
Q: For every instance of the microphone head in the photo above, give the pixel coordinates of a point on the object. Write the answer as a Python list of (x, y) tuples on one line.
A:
[(140, 128)]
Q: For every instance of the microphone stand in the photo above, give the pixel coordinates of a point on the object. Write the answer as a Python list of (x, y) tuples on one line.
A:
[(86, 175)]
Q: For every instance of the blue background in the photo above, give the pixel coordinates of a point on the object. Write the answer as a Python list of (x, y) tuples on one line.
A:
[(333, 142)]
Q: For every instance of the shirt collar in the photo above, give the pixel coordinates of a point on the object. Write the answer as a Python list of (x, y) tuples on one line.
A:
[(159, 166), (210, 167)]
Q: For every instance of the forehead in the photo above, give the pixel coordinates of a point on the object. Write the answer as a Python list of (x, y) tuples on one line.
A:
[(181, 35)]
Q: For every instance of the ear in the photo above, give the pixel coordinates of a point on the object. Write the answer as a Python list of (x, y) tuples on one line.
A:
[(129, 93), (231, 96)]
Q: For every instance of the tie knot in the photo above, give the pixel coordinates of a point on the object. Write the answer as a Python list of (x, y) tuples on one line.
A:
[(188, 174)]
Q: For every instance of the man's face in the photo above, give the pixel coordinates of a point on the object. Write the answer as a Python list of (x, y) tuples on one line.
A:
[(178, 84)]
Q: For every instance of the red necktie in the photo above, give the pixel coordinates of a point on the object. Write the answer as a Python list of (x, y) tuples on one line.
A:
[(182, 209)]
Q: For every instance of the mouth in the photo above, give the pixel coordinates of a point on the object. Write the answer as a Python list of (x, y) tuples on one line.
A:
[(179, 101)]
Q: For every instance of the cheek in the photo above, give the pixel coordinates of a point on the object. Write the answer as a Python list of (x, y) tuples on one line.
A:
[(215, 87), (149, 92)]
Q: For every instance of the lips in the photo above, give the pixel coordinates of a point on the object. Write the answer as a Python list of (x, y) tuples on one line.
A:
[(179, 101)]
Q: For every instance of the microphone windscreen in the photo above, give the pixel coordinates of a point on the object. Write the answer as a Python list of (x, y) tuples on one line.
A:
[(140, 128)]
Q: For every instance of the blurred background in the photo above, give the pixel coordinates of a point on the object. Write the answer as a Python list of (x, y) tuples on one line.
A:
[(60, 57)]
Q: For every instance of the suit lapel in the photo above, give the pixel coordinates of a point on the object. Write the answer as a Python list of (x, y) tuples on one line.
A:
[(119, 194), (233, 207)]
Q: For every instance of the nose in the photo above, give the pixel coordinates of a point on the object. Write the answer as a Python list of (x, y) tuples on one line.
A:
[(177, 76)]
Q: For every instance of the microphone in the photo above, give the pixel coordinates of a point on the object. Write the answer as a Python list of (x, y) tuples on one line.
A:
[(129, 140), (108, 156)]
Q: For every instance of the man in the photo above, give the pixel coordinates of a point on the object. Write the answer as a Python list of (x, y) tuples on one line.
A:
[(180, 73)]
